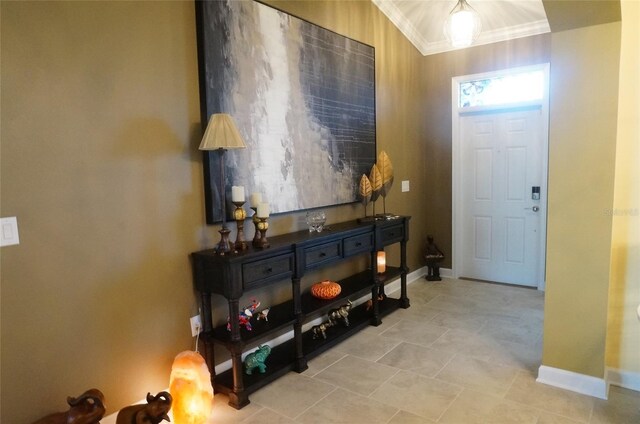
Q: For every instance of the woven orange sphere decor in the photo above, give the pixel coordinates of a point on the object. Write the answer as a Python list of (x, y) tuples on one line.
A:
[(326, 289)]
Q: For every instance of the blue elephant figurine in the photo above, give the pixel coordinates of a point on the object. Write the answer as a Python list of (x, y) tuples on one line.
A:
[(256, 360)]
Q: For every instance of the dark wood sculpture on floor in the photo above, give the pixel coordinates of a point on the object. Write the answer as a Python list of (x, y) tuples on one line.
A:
[(433, 257), (88, 408), (154, 412)]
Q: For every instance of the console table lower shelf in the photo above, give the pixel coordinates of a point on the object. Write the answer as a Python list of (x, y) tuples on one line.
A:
[(282, 357)]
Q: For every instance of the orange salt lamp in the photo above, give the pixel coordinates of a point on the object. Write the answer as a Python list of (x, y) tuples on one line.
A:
[(190, 386)]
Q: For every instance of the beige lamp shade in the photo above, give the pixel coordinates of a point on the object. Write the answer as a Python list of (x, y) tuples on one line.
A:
[(221, 133)]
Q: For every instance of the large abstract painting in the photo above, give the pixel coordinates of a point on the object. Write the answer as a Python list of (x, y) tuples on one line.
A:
[(303, 98)]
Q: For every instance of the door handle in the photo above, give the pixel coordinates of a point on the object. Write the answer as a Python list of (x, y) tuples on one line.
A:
[(534, 208)]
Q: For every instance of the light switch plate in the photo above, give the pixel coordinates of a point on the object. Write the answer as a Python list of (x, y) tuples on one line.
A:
[(9, 231), (405, 185)]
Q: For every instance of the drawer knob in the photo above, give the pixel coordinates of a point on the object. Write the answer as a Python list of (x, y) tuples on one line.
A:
[(358, 244), (323, 254), (268, 270)]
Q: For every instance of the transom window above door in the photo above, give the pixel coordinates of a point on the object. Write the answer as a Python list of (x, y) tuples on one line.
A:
[(506, 89)]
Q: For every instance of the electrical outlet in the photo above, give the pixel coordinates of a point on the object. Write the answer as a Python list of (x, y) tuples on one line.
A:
[(196, 325)]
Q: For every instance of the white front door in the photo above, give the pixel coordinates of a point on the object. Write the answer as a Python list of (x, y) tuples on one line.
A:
[(501, 166)]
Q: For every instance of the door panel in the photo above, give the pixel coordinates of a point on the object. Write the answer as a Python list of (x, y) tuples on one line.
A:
[(501, 161)]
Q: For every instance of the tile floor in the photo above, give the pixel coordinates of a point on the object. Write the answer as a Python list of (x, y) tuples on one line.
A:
[(464, 352)]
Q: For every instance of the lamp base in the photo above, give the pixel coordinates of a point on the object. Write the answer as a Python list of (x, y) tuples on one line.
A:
[(224, 246)]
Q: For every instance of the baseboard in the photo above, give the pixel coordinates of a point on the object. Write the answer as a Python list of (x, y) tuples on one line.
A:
[(623, 378), (446, 272), (580, 383)]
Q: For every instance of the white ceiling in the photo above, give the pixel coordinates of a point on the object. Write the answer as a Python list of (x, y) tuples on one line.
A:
[(421, 21)]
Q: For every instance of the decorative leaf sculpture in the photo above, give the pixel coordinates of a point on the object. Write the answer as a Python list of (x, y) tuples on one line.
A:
[(376, 185), (365, 189), (365, 192), (386, 171)]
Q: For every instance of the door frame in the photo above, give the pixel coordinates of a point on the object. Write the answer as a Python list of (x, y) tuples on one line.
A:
[(456, 113)]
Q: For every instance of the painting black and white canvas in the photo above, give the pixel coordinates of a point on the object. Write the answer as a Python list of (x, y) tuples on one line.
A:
[(302, 97)]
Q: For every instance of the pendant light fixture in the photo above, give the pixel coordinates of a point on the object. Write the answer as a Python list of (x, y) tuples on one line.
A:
[(463, 25)]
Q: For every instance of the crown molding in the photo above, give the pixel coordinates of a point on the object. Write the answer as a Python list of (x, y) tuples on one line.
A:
[(391, 11)]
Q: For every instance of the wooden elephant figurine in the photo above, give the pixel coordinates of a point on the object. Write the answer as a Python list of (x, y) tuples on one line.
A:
[(88, 408), (154, 412)]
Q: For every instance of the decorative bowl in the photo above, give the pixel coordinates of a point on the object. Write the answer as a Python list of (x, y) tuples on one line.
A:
[(326, 289)]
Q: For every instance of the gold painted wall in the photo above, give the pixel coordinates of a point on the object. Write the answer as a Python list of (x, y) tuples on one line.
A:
[(99, 132), (582, 142), (437, 72), (623, 330)]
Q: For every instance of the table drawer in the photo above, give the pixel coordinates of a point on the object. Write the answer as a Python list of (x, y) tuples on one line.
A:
[(263, 271), (358, 244), (323, 253), (392, 234)]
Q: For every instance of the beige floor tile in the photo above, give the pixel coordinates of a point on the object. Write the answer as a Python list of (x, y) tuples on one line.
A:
[(414, 332), (292, 394), (466, 342), (342, 406), (623, 406), (267, 416), (413, 313), (521, 356), (474, 407), (416, 358), (572, 405), (430, 289), (417, 394), (322, 361), (549, 418), (477, 374), (449, 303), (224, 414), (512, 330), (463, 320), (367, 345), (356, 374), (404, 417)]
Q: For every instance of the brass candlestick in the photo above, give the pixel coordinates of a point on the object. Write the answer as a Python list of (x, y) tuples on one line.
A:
[(256, 236), (263, 225), (239, 215)]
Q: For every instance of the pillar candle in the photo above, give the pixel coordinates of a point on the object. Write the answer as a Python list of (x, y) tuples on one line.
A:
[(256, 199), (263, 210), (237, 194), (381, 262)]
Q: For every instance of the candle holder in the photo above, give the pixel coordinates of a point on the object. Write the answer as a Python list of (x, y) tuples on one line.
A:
[(256, 236), (263, 225), (240, 215)]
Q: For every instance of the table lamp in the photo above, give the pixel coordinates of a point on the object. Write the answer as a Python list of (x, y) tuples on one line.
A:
[(222, 134)]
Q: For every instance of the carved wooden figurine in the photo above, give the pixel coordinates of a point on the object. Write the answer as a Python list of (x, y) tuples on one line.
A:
[(320, 330), (341, 313), (432, 258), (154, 412), (88, 408)]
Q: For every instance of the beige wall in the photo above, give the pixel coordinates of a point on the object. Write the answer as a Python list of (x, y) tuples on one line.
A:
[(623, 331), (99, 132), (582, 139)]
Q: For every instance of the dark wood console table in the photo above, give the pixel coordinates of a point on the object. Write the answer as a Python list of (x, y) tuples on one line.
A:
[(288, 258)]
